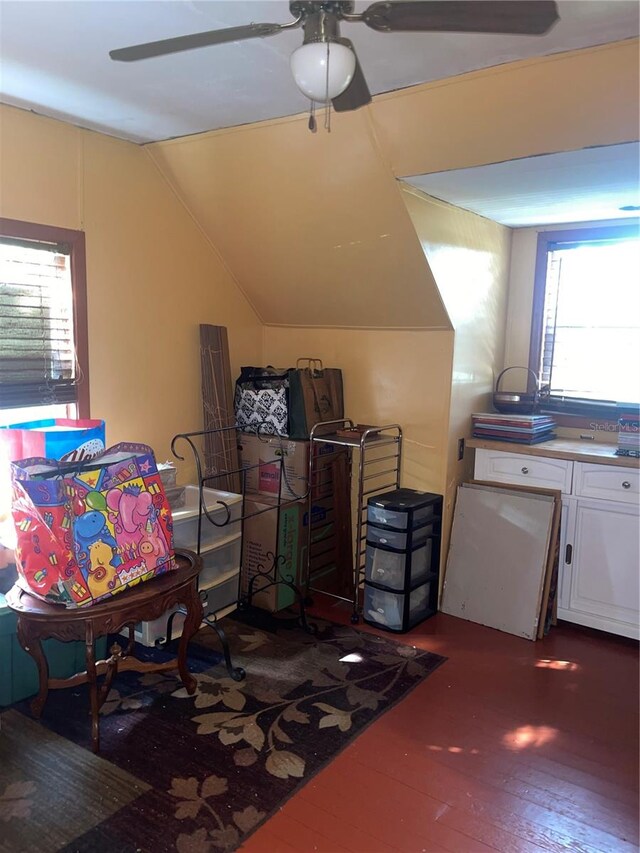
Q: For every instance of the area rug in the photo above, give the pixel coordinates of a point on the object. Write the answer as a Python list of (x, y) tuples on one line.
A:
[(197, 774)]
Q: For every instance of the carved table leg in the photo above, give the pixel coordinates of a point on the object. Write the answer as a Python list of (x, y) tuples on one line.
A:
[(30, 642), (192, 622), (92, 678)]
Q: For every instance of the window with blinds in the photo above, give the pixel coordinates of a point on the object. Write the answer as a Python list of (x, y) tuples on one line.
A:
[(38, 364), (586, 334), (44, 345)]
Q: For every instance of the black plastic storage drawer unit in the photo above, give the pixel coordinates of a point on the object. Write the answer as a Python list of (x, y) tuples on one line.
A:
[(402, 559)]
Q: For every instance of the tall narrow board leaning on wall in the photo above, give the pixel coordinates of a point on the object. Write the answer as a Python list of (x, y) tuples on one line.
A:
[(498, 560)]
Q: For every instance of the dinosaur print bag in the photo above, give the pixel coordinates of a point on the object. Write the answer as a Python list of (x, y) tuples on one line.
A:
[(87, 531)]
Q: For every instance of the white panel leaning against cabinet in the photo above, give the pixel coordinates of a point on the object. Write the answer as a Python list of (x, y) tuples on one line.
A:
[(497, 558)]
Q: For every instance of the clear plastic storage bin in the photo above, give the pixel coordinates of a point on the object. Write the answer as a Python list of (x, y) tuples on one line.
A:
[(390, 568), (217, 598), (220, 560), (397, 539), (399, 520), (387, 609), (185, 519)]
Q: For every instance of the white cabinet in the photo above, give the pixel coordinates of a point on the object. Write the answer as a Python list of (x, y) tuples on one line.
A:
[(601, 573), (598, 585)]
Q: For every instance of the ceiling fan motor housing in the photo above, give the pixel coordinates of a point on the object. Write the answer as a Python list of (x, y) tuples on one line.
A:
[(304, 8), (320, 20)]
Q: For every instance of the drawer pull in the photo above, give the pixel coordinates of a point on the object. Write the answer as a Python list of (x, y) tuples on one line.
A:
[(525, 470), (626, 484), (568, 553)]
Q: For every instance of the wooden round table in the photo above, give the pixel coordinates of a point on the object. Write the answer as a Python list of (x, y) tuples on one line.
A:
[(38, 620)]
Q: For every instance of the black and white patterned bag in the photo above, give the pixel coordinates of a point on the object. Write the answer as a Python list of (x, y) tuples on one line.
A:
[(262, 400)]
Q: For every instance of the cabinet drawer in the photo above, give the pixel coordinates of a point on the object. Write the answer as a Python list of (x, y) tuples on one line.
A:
[(522, 470), (607, 482)]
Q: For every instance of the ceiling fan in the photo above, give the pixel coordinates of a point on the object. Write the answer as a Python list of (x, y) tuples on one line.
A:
[(326, 68)]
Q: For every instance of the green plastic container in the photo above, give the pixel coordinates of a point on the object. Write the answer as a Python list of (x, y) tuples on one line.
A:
[(18, 671)]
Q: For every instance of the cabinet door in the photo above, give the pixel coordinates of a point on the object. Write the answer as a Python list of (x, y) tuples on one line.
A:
[(604, 574), (567, 536)]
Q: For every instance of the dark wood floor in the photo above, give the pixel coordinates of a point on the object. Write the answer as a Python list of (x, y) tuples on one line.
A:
[(510, 746)]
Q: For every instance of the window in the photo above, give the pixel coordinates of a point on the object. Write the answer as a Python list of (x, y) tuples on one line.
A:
[(585, 337), (43, 322)]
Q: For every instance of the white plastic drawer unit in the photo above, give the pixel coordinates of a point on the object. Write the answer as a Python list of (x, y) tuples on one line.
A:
[(220, 561), (607, 482), (224, 595), (499, 466), (185, 518)]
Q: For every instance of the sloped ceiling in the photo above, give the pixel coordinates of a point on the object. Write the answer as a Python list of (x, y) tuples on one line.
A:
[(313, 226)]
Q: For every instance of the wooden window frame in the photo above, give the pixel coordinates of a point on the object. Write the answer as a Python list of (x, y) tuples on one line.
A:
[(588, 410), (78, 266)]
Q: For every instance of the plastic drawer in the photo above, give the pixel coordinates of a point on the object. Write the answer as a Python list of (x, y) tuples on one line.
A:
[(398, 520), (387, 609), (390, 568), (223, 558), (398, 539), (223, 595), (185, 519), (215, 598)]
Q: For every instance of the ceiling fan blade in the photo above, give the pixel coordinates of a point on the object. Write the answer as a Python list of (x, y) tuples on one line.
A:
[(525, 17), (357, 92), (174, 45)]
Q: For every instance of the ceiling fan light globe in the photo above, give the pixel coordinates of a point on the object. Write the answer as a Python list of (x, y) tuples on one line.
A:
[(309, 69)]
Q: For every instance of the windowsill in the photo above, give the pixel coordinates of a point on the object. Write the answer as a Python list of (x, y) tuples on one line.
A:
[(589, 417)]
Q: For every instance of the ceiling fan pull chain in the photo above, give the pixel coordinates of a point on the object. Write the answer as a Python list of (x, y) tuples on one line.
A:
[(327, 116), (312, 117), (327, 102)]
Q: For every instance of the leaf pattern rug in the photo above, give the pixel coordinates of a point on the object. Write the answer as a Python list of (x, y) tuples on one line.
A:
[(213, 766)]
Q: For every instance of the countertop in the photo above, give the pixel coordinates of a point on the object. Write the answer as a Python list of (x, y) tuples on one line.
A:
[(562, 448)]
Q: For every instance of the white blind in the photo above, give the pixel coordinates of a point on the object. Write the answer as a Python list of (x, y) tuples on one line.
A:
[(37, 350), (591, 323)]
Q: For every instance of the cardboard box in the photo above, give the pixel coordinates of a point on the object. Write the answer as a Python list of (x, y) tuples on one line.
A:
[(291, 541), (263, 535), (266, 458)]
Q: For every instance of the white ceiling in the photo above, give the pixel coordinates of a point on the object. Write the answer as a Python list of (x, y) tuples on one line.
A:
[(573, 186), (54, 60)]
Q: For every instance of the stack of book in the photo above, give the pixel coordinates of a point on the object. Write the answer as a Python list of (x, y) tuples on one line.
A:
[(519, 429), (629, 435)]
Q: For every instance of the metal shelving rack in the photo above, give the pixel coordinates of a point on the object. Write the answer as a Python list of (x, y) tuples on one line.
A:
[(270, 575), (375, 474)]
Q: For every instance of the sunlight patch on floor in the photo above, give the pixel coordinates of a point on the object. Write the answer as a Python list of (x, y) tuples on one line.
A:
[(529, 736), (564, 665)]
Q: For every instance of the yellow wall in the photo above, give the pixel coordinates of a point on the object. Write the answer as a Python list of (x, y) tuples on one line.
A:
[(152, 275), (562, 102), (469, 258), (389, 377)]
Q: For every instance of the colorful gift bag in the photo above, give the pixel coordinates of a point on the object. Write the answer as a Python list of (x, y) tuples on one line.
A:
[(87, 531), (54, 438)]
